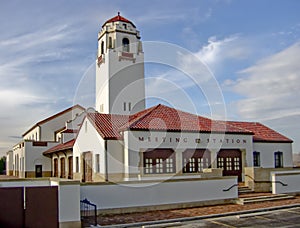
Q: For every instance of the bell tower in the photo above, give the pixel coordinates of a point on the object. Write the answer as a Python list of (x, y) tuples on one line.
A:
[(120, 87)]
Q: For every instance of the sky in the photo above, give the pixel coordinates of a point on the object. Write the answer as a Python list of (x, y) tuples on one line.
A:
[(251, 49)]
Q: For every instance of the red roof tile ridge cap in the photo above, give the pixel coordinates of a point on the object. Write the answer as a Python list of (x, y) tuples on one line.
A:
[(238, 127), (139, 118)]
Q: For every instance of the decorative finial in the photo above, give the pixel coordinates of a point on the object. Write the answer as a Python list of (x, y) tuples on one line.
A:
[(118, 13)]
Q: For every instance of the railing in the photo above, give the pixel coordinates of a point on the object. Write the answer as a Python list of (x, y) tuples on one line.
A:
[(228, 189), (88, 209), (266, 182)]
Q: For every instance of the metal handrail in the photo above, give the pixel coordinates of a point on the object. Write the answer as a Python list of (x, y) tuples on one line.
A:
[(228, 189), (256, 181)]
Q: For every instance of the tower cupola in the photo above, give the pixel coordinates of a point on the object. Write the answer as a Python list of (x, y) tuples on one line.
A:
[(120, 85)]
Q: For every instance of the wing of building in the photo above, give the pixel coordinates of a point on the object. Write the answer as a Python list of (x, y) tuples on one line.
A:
[(26, 158)]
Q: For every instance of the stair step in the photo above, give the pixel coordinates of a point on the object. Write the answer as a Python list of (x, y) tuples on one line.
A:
[(244, 190), (258, 199)]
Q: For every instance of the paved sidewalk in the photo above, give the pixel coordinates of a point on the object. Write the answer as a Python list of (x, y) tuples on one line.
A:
[(210, 211)]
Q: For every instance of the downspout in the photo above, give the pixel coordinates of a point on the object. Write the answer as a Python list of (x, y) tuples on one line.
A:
[(106, 161)]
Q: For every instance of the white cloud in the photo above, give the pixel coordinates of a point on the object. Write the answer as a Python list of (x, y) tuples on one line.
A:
[(26, 95), (218, 51), (270, 92), (271, 87)]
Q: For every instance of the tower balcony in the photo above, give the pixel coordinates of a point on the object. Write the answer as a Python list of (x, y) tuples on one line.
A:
[(126, 55)]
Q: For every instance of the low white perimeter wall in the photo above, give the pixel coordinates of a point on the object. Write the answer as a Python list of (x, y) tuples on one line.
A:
[(289, 178), (68, 200), (24, 183), (139, 194), (68, 196)]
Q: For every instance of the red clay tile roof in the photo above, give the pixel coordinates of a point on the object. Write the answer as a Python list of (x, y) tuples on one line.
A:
[(60, 147), (108, 125), (162, 117), (261, 132), (119, 18)]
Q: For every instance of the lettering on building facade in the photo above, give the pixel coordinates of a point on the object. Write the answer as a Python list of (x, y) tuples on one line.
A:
[(195, 140)]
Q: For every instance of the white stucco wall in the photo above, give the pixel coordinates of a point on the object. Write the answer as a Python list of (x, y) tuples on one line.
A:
[(19, 159), (115, 156), (34, 134), (88, 140), (66, 137), (267, 151), (50, 127), (69, 203), (286, 182), (109, 196), (25, 156), (139, 141), (34, 156), (9, 161), (120, 80)]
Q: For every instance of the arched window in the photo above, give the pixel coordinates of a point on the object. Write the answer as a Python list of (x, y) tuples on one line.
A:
[(125, 43), (102, 47)]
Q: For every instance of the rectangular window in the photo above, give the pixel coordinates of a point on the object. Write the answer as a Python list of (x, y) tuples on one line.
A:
[(129, 106), (148, 165), (228, 164), (256, 159), (236, 162), (278, 159), (159, 161), (195, 160), (192, 165), (98, 163), (77, 164), (169, 165), (159, 165), (220, 163)]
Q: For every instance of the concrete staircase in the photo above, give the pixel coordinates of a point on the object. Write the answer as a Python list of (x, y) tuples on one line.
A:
[(244, 190), (263, 198)]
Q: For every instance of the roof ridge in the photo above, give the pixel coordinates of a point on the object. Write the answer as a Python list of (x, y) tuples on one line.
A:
[(142, 117), (241, 128)]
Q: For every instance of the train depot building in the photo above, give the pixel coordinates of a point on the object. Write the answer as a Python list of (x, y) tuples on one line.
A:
[(121, 142)]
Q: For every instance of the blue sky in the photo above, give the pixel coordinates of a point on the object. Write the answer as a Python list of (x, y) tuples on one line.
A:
[(251, 47)]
